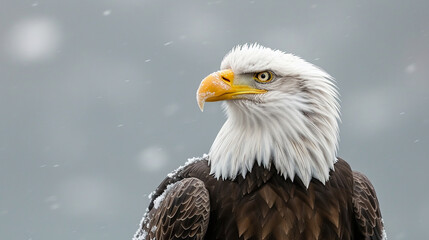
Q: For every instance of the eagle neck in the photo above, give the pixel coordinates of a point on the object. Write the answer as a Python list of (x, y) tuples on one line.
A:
[(298, 142)]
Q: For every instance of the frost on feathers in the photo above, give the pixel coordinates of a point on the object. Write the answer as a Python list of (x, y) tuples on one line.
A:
[(190, 160), (383, 235), (141, 234), (157, 202), (151, 195)]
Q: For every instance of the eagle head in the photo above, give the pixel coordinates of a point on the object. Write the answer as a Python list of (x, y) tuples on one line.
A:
[(282, 112)]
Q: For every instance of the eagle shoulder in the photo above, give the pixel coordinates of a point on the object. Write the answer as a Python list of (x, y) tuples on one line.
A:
[(366, 209), (179, 209)]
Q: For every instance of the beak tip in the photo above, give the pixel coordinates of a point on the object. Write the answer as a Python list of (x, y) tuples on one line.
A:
[(201, 106), (200, 102)]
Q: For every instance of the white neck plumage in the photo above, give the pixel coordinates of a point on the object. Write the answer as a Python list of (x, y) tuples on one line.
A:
[(296, 134)]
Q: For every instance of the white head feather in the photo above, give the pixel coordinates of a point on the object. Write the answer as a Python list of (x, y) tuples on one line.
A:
[(293, 127)]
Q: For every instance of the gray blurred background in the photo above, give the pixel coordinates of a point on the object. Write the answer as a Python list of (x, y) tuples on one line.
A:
[(97, 101)]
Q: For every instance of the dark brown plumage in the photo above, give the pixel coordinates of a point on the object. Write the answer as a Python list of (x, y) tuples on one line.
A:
[(264, 205), (183, 214)]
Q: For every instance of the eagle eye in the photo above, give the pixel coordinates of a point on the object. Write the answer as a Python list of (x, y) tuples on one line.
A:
[(263, 77)]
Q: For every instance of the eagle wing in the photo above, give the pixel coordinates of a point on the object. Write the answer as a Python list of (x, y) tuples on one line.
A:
[(366, 209), (178, 210)]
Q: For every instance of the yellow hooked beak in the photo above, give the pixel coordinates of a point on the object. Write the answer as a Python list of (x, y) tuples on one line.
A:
[(220, 86)]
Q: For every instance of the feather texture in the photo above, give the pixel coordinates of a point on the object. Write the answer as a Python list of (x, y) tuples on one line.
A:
[(263, 205), (183, 213), (366, 209)]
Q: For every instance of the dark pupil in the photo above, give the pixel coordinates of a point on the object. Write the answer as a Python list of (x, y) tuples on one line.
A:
[(263, 75)]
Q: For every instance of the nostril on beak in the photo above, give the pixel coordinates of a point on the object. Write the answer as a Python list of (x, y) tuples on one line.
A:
[(226, 79)]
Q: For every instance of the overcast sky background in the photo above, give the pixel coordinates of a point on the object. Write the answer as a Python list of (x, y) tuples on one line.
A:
[(97, 101)]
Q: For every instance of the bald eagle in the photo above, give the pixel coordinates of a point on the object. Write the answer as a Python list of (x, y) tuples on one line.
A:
[(272, 171)]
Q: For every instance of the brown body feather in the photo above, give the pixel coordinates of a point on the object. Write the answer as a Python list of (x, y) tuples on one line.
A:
[(264, 205)]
